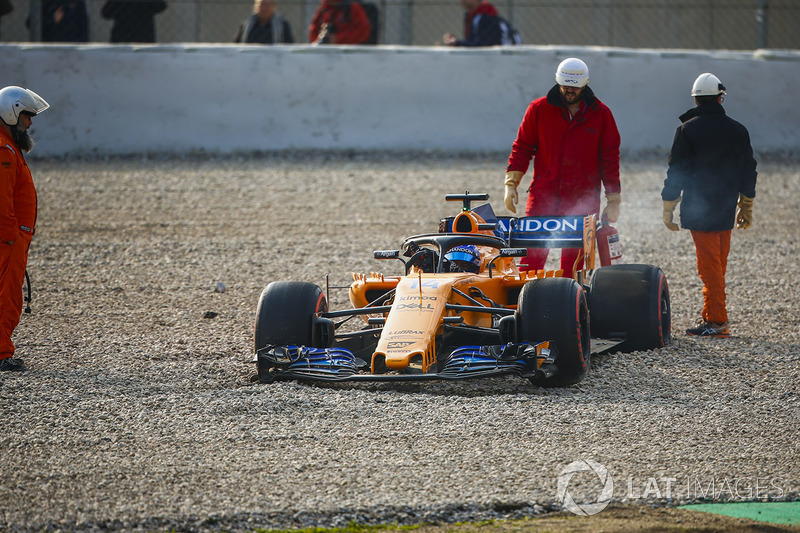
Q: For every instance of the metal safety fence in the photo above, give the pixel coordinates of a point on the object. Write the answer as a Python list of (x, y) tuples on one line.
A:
[(690, 24)]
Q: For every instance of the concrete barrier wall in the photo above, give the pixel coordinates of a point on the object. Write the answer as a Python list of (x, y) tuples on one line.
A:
[(226, 98)]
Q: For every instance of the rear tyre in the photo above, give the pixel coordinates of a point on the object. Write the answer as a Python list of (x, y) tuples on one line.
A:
[(555, 309), (631, 301), (285, 313)]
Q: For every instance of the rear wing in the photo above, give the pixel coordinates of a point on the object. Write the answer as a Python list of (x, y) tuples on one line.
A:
[(541, 232), (551, 232)]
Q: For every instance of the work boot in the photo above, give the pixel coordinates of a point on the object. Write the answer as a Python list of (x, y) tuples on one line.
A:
[(710, 329), (11, 365)]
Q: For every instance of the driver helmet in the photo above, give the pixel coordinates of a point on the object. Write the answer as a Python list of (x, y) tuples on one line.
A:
[(464, 258)]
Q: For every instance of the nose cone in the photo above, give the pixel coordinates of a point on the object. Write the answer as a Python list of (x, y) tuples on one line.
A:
[(407, 360)]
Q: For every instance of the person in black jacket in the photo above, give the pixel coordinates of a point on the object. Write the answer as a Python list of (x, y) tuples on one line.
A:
[(711, 162), (264, 26), (483, 26), (65, 21), (5, 7), (134, 20)]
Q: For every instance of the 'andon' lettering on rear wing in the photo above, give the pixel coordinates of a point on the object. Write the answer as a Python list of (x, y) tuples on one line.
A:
[(542, 232)]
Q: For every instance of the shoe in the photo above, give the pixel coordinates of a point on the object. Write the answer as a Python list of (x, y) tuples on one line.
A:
[(11, 365), (710, 329)]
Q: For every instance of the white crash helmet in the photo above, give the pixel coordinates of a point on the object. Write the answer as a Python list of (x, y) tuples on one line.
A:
[(14, 100), (707, 84), (572, 72)]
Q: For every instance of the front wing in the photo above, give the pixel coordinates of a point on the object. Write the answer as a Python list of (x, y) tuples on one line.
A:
[(529, 361), (339, 364)]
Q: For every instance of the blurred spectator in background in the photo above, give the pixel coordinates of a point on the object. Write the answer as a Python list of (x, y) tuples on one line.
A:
[(483, 26), (339, 22), (264, 26), (134, 20), (5, 7), (65, 21)]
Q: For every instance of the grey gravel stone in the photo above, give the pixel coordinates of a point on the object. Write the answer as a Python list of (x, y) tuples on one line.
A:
[(137, 414)]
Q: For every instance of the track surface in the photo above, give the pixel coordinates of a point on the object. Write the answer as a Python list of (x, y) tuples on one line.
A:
[(137, 412)]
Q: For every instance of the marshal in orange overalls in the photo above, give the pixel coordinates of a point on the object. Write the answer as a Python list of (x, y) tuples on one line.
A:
[(17, 222)]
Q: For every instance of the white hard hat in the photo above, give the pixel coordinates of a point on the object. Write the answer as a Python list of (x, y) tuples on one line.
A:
[(14, 100), (572, 72), (707, 84)]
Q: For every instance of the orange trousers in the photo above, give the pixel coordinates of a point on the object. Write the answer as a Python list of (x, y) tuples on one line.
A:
[(712, 248), (13, 260)]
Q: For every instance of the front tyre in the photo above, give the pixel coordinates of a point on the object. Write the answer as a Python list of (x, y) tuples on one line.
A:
[(555, 309), (285, 313), (284, 316)]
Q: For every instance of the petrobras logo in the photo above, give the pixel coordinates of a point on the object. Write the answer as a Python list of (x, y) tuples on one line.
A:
[(542, 224)]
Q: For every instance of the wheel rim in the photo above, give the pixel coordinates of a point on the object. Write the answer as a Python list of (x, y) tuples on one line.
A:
[(666, 314), (585, 332)]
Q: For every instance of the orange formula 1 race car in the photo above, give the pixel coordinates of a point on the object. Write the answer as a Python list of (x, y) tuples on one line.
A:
[(464, 310)]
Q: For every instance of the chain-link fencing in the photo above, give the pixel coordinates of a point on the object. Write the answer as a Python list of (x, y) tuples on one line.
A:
[(690, 24)]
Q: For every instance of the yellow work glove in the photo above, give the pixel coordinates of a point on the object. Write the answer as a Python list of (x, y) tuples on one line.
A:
[(669, 208), (744, 212), (513, 177), (611, 212)]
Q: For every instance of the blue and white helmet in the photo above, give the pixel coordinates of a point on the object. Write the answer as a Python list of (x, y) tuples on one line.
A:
[(464, 258)]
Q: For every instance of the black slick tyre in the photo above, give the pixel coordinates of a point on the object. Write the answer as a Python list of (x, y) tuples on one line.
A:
[(631, 301), (285, 313), (555, 309)]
